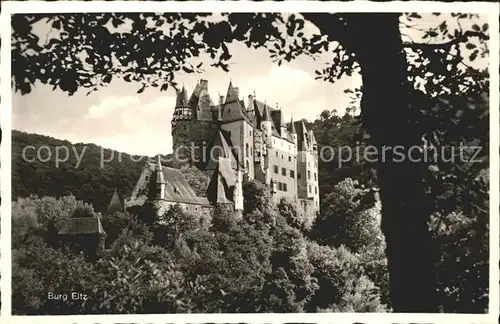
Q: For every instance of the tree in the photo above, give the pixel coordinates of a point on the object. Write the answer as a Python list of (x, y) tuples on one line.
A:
[(197, 179), (350, 216), (89, 55)]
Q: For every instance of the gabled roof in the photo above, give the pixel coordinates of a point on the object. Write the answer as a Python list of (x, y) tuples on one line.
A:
[(218, 188), (83, 225), (302, 136), (221, 149), (263, 112), (226, 171), (177, 188)]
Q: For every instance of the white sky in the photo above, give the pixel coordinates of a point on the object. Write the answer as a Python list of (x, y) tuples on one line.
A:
[(117, 117)]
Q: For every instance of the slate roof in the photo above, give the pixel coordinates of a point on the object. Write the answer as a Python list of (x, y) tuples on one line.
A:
[(115, 204), (302, 136), (178, 189), (221, 148), (291, 127), (182, 98), (218, 188), (83, 225)]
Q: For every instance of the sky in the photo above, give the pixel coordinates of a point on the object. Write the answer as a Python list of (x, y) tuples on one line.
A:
[(118, 118)]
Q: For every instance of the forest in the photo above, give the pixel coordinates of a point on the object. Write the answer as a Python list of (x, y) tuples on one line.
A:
[(394, 236)]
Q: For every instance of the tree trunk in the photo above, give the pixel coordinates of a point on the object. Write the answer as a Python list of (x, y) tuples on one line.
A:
[(386, 114)]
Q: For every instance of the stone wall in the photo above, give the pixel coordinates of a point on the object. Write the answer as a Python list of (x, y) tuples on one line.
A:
[(190, 139)]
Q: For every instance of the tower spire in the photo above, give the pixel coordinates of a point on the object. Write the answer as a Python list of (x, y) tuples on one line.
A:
[(160, 179)]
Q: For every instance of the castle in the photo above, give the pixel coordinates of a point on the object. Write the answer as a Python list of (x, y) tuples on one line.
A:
[(232, 141)]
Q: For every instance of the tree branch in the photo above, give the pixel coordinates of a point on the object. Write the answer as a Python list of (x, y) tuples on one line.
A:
[(462, 38)]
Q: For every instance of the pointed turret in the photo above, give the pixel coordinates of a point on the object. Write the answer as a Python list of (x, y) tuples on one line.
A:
[(182, 98), (157, 182), (266, 116), (182, 110), (115, 204), (232, 93), (291, 127), (283, 128), (160, 178), (292, 131)]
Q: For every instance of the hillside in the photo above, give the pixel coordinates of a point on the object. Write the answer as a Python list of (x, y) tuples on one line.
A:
[(81, 175)]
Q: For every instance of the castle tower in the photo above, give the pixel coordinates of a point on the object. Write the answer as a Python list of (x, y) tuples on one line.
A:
[(182, 111), (181, 123), (205, 102), (292, 131), (266, 126), (283, 128), (238, 190), (157, 182)]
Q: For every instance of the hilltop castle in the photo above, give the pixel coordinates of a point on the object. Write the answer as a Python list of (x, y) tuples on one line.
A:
[(232, 141)]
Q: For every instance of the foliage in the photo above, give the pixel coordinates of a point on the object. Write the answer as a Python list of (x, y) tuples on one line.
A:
[(350, 216), (85, 174), (197, 179), (293, 214), (344, 285)]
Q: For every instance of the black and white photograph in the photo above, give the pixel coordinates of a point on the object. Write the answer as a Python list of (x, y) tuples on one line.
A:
[(252, 160)]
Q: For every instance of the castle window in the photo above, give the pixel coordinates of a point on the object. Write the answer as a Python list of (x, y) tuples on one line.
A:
[(276, 154), (247, 149), (280, 186), (284, 187), (292, 174), (308, 175), (289, 159), (299, 175), (283, 171), (276, 169), (310, 188), (315, 190), (314, 176)]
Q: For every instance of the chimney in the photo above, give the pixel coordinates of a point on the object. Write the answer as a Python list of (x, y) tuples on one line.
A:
[(204, 84), (250, 103), (237, 91)]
